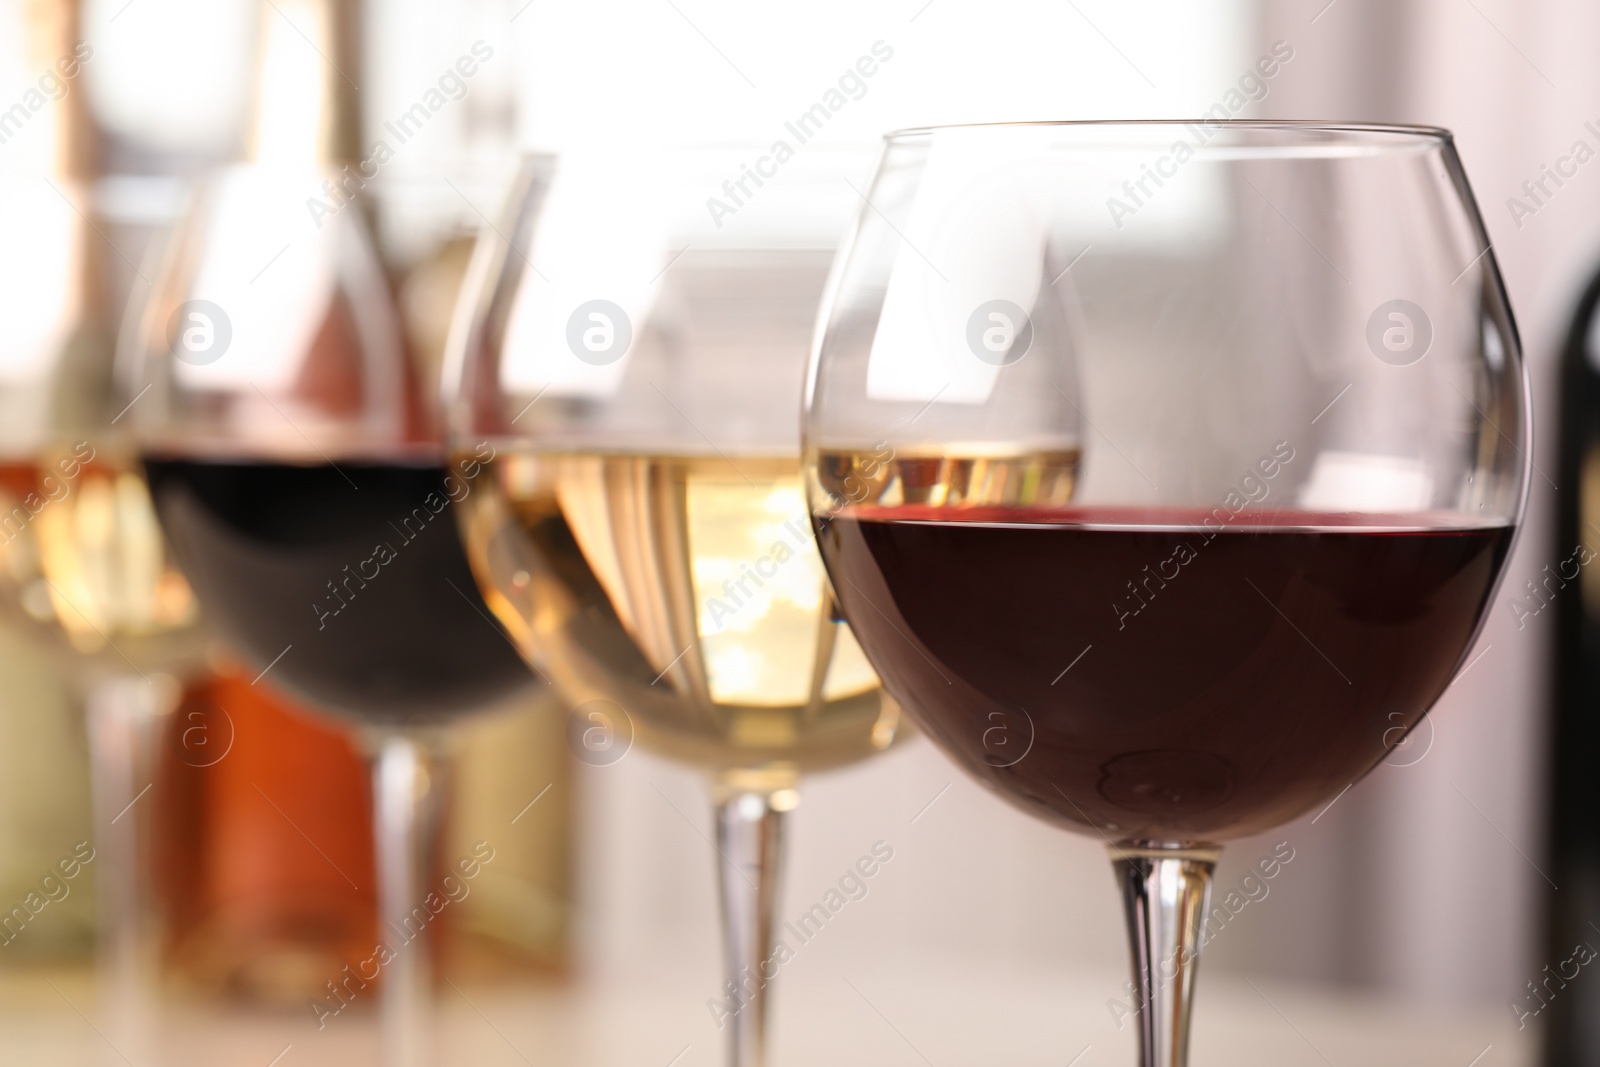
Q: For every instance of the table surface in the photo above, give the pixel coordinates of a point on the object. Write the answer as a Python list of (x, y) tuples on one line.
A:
[(927, 1014)]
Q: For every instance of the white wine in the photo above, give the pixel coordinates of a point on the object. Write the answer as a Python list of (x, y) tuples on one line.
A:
[(686, 590), (83, 565), (884, 476)]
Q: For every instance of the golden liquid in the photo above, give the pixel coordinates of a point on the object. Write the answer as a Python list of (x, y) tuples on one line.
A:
[(83, 564), (890, 477), (689, 592)]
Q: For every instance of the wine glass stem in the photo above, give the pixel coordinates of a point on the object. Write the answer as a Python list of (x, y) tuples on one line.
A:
[(122, 713), (405, 802), (750, 847), (1165, 892)]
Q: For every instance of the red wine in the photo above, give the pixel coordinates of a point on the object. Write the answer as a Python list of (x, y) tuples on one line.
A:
[(1149, 677), (356, 569)]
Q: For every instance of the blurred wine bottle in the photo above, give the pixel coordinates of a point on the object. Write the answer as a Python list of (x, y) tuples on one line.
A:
[(262, 844), (1569, 1007), (263, 838)]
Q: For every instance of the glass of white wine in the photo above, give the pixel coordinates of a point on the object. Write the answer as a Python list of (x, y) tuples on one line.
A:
[(633, 366), (85, 575)]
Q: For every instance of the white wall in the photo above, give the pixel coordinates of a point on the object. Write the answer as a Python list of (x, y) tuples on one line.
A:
[(1438, 886)]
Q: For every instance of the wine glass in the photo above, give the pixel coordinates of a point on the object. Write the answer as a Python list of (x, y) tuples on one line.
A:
[(296, 471), (1207, 443), (642, 528), (84, 574)]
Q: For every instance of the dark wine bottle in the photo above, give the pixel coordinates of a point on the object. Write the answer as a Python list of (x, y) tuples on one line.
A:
[(1566, 1006)]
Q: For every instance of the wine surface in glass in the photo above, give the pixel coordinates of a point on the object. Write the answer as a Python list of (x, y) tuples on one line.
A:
[(346, 580), (83, 564), (688, 591), (1153, 676)]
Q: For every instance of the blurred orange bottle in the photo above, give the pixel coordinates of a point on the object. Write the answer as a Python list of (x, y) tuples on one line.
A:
[(261, 844)]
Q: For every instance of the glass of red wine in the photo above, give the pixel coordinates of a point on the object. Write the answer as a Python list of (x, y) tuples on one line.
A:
[(296, 470), (1162, 468)]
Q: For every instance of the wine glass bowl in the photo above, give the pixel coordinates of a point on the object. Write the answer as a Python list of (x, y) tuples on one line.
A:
[(295, 467), (271, 328), (778, 694), (1199, 449), (83, 569), (645, 532), (1214, 429)]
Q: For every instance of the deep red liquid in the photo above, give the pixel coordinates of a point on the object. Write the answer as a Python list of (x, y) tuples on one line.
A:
[(270, 549), (1218, 697)]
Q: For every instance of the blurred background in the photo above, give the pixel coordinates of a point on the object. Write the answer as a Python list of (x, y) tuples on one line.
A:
[(1409, 921)]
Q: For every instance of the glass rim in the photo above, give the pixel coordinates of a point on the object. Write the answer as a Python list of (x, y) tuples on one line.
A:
[(1406, 131)]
